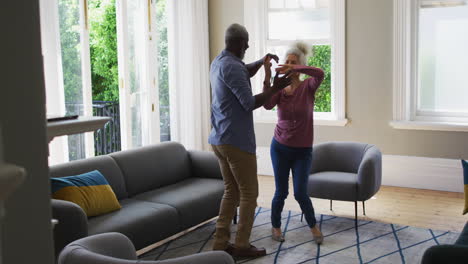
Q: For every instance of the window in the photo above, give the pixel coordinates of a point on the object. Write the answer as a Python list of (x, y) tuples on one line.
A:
[(319, 23), (431, 58), (107, 58)]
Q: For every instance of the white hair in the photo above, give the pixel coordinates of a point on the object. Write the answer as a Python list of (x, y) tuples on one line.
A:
[(236, 31), (300, 49)]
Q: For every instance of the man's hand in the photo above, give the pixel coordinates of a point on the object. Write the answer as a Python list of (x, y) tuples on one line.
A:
[(270, 56), (267, 67)]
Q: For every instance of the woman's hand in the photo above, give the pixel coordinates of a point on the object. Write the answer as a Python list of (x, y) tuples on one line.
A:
[(280, 83), (283, 68)]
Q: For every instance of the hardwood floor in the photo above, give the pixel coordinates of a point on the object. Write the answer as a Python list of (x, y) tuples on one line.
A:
[(415, 207)]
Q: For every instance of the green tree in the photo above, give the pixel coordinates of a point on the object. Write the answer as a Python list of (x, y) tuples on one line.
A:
[(322, 59), (163, 68), (69, 25), (103, 50)]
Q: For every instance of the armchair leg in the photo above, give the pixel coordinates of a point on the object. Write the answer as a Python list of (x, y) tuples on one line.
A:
[(235, 218), (364, 207), (302, 216), (355, 214), (331, 205)]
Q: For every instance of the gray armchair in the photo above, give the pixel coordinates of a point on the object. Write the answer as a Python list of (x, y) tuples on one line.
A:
[(345, 171), (116, 248)]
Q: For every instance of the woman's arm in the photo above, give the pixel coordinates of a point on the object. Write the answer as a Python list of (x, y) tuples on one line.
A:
[(317, 74)]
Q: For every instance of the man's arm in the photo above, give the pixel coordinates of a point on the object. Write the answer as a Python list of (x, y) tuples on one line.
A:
[(256, 65), (279, 83)]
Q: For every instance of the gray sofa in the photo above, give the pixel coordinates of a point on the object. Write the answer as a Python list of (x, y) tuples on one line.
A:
[(163, 189)]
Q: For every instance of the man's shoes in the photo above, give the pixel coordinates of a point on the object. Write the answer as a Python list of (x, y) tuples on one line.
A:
[(229, 249), (251, 252)]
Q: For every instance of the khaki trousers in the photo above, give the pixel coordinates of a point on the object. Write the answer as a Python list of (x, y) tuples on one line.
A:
[(239, 169)]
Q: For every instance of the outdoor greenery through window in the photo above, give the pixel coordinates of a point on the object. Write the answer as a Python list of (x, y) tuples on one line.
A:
[(103, 61), (71, 51), (322, 59), (163, 73)]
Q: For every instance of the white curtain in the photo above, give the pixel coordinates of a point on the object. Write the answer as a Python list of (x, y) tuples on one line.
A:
[(189, 72)]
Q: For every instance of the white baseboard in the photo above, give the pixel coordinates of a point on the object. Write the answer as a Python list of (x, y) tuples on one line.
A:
[(401, 171)]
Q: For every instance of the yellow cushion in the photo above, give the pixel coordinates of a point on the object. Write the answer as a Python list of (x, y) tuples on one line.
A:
[(90, 191)]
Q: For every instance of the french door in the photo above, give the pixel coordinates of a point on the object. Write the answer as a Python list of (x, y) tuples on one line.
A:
[(65, 46), (139, 98), (67, 71)]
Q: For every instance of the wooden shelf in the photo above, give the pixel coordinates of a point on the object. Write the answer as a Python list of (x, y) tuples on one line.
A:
[(80, 125)]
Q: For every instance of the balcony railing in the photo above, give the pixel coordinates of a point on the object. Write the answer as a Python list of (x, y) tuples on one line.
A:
[(108, 139)]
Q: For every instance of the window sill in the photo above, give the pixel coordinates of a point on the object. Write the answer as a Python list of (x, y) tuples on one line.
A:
[(317, 122), (435, 126)]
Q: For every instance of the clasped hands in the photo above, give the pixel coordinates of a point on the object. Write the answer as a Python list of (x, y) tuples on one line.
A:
[(279, 83)]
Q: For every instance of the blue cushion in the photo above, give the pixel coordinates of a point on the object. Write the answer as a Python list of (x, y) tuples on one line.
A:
[(90, 191)]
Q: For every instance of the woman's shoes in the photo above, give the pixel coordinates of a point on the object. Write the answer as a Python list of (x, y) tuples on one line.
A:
[(317, 234), (277, 237)]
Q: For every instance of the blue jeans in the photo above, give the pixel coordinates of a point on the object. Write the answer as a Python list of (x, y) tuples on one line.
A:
[(299, 160)]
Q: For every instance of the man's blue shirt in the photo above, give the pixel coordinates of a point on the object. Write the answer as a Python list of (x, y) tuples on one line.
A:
[(232, 103)]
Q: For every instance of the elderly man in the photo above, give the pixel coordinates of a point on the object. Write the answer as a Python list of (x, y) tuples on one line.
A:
[(233, 138)]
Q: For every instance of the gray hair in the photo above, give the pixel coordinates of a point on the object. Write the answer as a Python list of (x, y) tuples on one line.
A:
[(236, 31), (300, 49)]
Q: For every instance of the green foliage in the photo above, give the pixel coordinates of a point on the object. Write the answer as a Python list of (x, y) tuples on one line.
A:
[(322, 59), (69, 25), (161, 27), (103, 50)]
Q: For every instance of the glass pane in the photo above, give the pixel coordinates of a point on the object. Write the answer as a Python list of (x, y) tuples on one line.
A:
[(104, 73), (443, 58), (136, 62), (163, 70), (309, 23), (70, 41), (291, 3), (320, 58), (276, 3)]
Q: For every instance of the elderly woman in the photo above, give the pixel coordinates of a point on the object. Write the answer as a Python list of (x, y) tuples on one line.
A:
[(291, 147)]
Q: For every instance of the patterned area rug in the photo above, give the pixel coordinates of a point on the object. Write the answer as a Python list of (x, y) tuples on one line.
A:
[(373, 242)]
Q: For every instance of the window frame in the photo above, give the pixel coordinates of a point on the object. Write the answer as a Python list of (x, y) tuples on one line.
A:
[(406, 114), (255, 11)]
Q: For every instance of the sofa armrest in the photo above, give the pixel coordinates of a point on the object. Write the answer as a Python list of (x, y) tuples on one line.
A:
[(441, 254), (72, 223), (369, 173), (204, 164)]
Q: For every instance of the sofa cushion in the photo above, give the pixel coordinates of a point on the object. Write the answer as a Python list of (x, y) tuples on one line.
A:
[(104, 164), (150, 167), (196, 199), (143, 222), (333, 185), (90, 191)]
